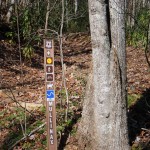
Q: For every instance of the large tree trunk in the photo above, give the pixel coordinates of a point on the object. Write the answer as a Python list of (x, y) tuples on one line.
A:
[(104, 120)]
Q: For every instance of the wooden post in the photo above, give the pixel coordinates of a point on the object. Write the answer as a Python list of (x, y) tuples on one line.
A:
[(50, 94)]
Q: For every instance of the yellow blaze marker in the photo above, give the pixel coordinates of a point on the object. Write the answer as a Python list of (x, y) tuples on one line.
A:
[(49, 60)]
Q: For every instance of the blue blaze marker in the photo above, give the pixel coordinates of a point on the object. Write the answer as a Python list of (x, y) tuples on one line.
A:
[(50, 95)]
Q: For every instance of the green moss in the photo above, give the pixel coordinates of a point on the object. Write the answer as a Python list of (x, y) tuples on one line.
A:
[(43, 109), (132, 98)]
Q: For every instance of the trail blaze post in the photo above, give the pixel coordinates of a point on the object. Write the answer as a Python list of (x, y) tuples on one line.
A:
[(50, 94)]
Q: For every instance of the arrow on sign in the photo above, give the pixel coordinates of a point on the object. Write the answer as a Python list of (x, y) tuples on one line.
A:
[(48, 53)]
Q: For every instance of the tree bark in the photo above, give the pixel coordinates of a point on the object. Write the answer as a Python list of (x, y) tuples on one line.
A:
[(104, 119), (76, 6), (9, 13), (47, 17)]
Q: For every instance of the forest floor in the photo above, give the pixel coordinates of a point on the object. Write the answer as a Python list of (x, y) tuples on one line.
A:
[(23, 84)]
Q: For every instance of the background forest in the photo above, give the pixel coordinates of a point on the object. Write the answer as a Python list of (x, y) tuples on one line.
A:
[(23, 26)]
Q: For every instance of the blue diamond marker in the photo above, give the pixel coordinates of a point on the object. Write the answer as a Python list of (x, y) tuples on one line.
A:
[(50, 95)]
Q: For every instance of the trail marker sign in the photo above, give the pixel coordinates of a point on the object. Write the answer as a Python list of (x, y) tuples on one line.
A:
[(48, 44), (49, 60), (49, 69), (50, 94)]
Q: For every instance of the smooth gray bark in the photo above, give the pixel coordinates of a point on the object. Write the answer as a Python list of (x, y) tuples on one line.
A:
[(104, 120), (76, 6), (9, 13)]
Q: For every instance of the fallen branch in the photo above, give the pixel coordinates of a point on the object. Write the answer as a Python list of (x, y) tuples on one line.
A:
[(27, 136), (33, 131), (145, 129)]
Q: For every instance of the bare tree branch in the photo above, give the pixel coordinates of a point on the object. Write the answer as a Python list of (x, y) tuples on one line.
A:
[(27, 136)]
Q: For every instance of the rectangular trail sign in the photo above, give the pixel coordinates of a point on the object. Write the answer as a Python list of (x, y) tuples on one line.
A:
[(50, 94)]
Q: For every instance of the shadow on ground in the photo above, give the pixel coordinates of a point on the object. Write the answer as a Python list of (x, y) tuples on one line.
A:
[(68, 130), (139, 122)]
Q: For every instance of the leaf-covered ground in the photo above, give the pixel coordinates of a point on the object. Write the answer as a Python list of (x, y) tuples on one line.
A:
[(20, 83)]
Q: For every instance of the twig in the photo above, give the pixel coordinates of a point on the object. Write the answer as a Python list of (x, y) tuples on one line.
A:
[(145, 129), (23, 132), (21, 75), (16, 143), (27, 136), (33, 131), (25, 119), (47, 16), (43, 30), (62, 61), (14, 99)]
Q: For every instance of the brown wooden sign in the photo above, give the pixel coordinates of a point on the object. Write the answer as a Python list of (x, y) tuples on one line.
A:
[(50, 94)]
